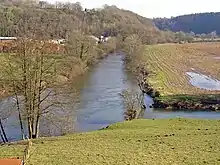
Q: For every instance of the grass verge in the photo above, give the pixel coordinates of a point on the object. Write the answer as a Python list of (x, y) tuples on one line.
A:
[(162, 141)]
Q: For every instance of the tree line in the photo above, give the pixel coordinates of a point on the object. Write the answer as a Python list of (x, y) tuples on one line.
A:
[(57, 20), (199, 23)]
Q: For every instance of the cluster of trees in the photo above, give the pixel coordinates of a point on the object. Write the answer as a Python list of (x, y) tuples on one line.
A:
[(56, 21), (201, 23)]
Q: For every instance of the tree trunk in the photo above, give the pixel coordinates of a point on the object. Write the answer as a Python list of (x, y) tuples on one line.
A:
[(19, 116), (34, 99), (17, 103), (37, 124), (81, 51), (30, 131), (25, 87), (3, 131), (2, 137)]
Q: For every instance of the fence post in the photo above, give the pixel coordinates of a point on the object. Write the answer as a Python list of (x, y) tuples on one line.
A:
[(27, 151)]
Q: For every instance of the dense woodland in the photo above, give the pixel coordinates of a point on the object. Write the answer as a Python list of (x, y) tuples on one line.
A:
[(56, 21), (201, 23), (61, 19)]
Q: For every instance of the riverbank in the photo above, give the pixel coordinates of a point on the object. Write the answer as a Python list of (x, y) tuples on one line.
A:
[(60, 93), (63, 65), (181, 76), (90, 103), (160, 141), (188, 102)]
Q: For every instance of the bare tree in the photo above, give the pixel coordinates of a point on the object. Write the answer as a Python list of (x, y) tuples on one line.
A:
[(11, 74), (133, 103), (33, 75)]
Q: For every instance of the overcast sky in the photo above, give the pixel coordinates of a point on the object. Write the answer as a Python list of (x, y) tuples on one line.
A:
[(156, 8)]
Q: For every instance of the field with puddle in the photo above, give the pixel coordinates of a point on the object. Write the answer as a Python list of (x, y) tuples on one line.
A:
[(189, 69)]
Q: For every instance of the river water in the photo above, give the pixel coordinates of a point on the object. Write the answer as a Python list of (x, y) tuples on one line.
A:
[(98, 102)]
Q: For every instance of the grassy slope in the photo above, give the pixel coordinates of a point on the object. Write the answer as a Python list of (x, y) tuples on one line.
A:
[(171, 62), (166, 141), (12, 151)]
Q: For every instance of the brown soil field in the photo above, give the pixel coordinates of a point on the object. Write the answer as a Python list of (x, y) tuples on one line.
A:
[(170, 62)]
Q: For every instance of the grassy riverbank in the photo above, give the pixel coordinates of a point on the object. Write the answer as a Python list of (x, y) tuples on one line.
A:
[(168, 65), (162, 141)]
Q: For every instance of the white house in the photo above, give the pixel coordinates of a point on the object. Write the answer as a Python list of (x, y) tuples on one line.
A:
[(58, 41), (7, 38)]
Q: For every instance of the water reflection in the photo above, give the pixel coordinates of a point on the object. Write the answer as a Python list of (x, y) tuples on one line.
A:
[(56, 121), (101, 103), (151, 113), (217, 58)]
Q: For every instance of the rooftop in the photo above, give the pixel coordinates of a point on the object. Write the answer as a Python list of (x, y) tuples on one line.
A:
[(10, 161)]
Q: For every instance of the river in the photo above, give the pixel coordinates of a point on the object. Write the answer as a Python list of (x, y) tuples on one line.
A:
[(98, 102)]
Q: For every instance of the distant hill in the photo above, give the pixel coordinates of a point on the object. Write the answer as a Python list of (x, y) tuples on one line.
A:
[(56, 21), (197, 23)]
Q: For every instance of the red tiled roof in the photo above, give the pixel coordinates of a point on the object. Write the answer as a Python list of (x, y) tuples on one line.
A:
[(10, 162)]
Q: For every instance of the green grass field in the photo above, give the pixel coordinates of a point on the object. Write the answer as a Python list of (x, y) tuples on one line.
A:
[(12, 151), (162, 141)]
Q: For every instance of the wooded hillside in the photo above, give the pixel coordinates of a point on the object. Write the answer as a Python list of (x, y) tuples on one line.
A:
[(197, 23), (57, 21)]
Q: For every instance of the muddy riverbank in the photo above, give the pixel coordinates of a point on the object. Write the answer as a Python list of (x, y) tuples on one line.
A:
[(203, 102)]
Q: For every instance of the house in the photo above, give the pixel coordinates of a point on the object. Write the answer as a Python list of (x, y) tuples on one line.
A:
[(27, 1), (103, 39), (58, 41), (8, 38), (11, 162), (6, 43)]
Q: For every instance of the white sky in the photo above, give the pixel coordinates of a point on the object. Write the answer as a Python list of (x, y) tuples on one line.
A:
[(156, 8)]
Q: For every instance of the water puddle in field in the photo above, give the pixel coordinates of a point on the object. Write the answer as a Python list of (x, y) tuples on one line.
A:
[(217, 57), (202, 81)]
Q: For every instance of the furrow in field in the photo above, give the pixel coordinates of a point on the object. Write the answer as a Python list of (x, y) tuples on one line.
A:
[(171, 62)]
